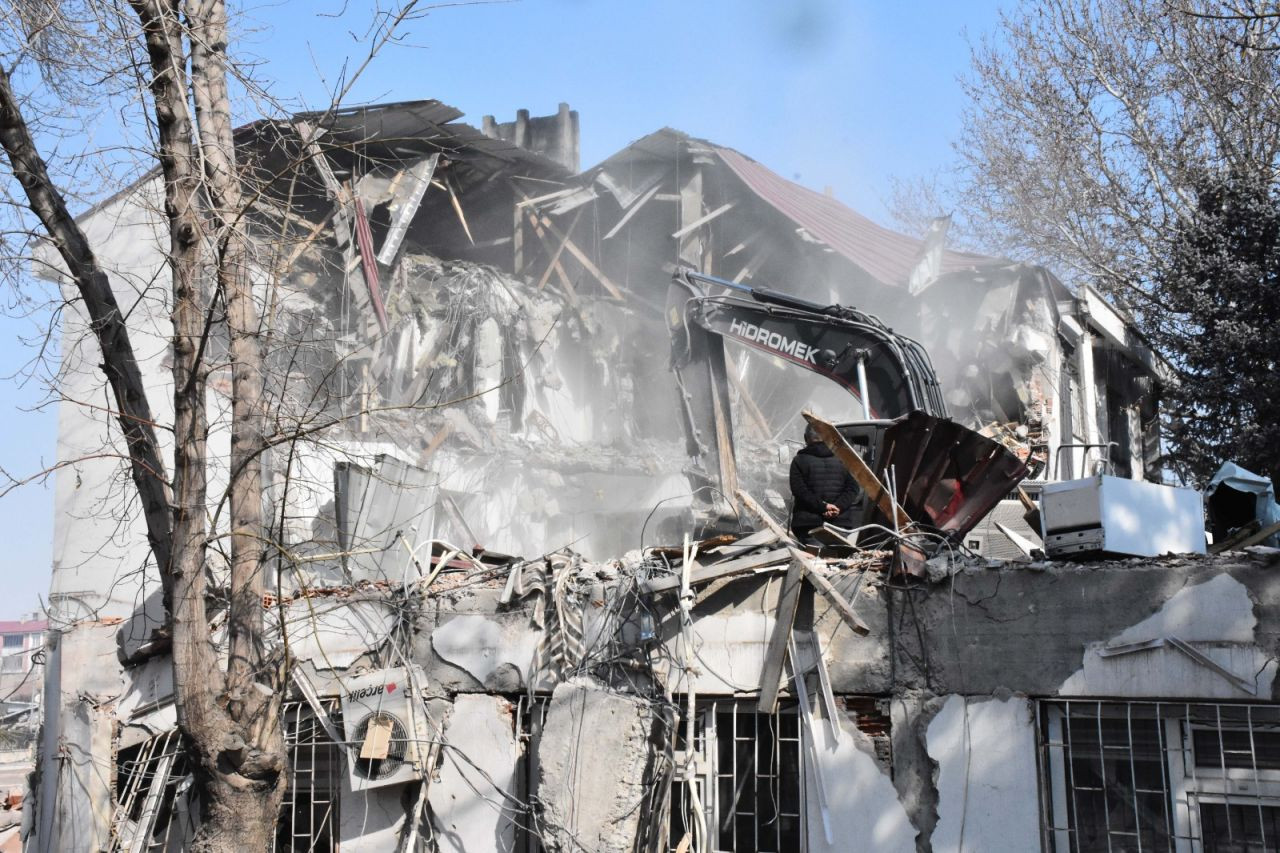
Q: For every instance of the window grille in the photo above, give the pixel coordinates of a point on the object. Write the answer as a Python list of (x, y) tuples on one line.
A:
[(750, 778), (151, 816), (147, 779), (309, 812), (1148, 777)]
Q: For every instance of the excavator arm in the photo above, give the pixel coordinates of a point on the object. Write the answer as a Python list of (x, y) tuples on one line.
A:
[(903, 422)]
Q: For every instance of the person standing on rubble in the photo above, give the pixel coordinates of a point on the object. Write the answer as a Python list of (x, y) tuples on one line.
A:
[(824, 491)]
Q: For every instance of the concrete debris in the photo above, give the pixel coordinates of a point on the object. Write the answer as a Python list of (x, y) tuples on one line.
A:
[(594, 739)]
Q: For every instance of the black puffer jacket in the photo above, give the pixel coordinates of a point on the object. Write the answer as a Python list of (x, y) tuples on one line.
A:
[(817, 479)]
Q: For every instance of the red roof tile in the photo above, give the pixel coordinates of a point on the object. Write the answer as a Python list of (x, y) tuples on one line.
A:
[(885, 254)]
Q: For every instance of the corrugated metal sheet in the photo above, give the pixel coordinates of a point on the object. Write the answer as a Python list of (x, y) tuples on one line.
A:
[(886, 255), (417, 128)]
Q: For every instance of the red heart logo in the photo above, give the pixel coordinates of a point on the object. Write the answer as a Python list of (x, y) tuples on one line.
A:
[(391, 688)]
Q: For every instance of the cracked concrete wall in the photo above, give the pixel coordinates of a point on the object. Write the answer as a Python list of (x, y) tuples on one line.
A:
[(1024, 628), (914, 770), (1216, 617)]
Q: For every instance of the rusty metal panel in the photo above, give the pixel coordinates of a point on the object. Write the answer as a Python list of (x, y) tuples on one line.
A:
[(949, 477)]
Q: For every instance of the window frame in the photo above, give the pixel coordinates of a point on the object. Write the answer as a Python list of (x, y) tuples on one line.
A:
[(1187, 785)]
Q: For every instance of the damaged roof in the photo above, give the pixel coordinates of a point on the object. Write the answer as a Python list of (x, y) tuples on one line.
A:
[(885, 254)]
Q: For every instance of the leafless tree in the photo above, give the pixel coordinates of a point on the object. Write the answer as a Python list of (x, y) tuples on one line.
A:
[(76, 54), (1089, 124)]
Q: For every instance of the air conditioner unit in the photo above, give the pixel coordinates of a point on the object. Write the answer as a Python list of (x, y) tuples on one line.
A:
[(383, 724)]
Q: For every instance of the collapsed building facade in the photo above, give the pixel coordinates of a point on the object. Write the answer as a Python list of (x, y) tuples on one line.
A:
[(481, 509)]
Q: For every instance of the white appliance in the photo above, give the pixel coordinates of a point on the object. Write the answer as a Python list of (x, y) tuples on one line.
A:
[(1121, 517), (383, 725)]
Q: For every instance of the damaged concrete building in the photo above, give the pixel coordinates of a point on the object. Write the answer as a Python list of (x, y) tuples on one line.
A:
[(485, 553)]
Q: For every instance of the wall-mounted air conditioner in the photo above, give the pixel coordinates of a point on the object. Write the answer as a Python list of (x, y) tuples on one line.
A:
[(383, 723)]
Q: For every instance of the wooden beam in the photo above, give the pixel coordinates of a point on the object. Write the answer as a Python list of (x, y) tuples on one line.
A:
[(569, 291), (703, 220), (457, 208), (760, 512), (829, 592), (1250, 539), (582, 257), (775, 655), (757, 416), (862, 475), (707, 573), (555, 256), (632, 211)]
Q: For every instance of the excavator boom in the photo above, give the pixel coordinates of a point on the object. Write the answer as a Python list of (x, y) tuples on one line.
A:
[(949, 476)]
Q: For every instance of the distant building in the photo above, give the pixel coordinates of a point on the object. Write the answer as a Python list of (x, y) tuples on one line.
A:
[(19, 684)]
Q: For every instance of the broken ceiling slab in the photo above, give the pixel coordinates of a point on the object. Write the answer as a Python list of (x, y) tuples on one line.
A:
[(496, 650), (594, 739)]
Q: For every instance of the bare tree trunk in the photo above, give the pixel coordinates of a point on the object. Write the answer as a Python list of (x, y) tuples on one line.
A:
[(239, 782), (254, 711)]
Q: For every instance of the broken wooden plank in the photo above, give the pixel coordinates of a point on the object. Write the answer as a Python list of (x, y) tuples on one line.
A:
[(775, 655), (632, 211), (306, 241), (706, 573), (829, 592), (403, 209), (434, 444), (457, 208), (760, 512), (555, 256), (703, 220), (1234, 540), (582, 257), (1255, 538), (744, 544), (862, 475)]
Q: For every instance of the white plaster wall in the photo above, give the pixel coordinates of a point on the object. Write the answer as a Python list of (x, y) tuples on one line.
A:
[(95, 557), (1215, 617), (864, 812), (470, 814), (986, 779)]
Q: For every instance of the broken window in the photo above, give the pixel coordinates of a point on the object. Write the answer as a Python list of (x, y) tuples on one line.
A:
[(151, 814), (1157, 776), (148, 778), (748, 770), (309, 812), (749, 773)]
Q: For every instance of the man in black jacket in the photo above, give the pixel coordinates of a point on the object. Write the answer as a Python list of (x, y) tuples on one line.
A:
[(824, 491)]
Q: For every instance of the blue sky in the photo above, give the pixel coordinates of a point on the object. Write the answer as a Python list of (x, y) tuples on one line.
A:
[(828, 93)]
